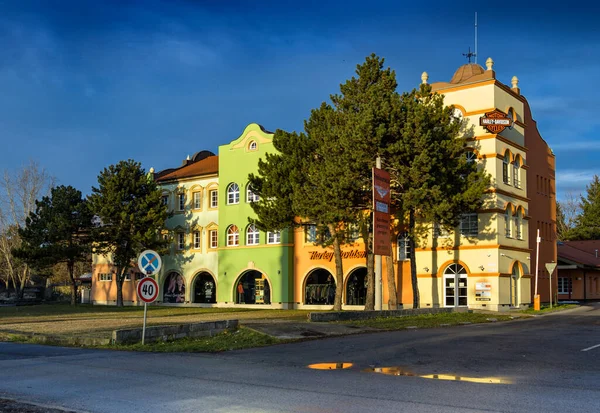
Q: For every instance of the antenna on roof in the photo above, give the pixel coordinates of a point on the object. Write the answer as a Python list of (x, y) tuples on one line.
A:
[(475, 37)]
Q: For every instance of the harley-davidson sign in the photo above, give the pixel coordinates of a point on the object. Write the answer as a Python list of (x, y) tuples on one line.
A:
[(495, 121)]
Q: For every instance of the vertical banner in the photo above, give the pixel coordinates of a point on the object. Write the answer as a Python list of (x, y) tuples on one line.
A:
[(381, 212)]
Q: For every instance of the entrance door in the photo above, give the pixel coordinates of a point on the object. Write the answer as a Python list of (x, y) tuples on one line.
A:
[(514, 279), (455, 286)]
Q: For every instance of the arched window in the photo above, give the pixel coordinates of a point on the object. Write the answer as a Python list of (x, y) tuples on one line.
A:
[(252, 235), (518, 227), (233, 236), (505, 164), (233, 194), (403, 247), (507, 223), (516, 172), (252, 146), (250, 195)]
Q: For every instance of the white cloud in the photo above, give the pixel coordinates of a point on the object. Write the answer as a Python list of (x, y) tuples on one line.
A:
[(575, 146), (575, 176)]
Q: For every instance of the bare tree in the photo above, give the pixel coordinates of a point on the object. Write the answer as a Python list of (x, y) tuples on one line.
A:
[(18, 193), (566, 215)]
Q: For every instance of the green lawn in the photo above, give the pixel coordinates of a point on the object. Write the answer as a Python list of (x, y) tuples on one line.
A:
[(226, 341), (428, 320)]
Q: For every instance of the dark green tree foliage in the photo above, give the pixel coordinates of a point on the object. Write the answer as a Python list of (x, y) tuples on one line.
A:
[(432, 180), (301, 184), (587, 223), (128, 204), (58, 232), (369, 117)]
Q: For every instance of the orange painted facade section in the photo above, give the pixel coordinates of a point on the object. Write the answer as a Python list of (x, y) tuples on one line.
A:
[(106, 291)]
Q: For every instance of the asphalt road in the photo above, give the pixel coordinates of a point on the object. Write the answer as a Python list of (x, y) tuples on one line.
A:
[(546, 364)]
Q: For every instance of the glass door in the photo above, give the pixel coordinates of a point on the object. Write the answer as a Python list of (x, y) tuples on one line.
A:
[(455, 286)]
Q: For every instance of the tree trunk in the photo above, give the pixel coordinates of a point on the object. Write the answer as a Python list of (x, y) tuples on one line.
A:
[(413, 261), (23, 280), (339, 269), (70, 269), (391, 281), (120, 279)]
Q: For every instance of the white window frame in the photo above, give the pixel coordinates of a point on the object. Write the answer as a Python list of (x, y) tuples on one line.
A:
[(403, 247), (274, 237), (180, 241), (471, 156), (197, 199), (565, 285), (251, 196), (507, 224), (164, 200), (252, 146), (310, 233), (105, 277), (214, 198), (127, 276), (505, 169), (439, 231), (181, 202), (516, 174), (469, 225), (196, 240), (518, 226), (233, 194), (252, 235), (213, 238), (233, 236)]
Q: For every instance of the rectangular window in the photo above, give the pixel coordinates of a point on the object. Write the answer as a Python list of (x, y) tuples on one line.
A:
[(196, 236), (564, 285), (197, 199), (439, 231), (516, 181), (403, 248), (505, 172), (274, 237), (139, 275), (252, 197), (180, 241), (213, 238), (164, 200), (181, 202), (353, 232), (105, 277), (468, 225), (127, 276), (214, 198), (507, 229), (311, 233)]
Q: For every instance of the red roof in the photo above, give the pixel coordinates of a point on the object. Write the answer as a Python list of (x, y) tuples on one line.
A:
[(206, 166), (580, 252)]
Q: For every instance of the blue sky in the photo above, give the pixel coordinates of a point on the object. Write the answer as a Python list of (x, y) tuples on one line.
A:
[(84, 84)]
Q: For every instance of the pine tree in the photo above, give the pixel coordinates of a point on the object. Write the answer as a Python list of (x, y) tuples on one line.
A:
[(432, 180), (128, 204), (58, 232), (587, 223)]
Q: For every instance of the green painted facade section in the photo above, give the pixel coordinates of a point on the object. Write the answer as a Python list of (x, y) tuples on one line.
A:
[(236, 161)]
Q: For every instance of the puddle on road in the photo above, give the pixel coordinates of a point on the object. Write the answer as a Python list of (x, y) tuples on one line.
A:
[(399, 371), (392, 371), (330, 366), (485, 380)]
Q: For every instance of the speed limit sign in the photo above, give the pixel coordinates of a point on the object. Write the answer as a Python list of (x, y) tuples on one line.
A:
[(147, 290)]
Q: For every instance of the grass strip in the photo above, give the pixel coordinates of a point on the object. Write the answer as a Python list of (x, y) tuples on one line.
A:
[(546, 308), (428, 320), (228, 340)]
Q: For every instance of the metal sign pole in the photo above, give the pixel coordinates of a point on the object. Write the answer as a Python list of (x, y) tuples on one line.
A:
[(550, 290), (144, 327)]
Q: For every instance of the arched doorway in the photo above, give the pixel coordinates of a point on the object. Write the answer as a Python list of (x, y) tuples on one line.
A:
[(252, 288), (319, 287), (356, 287), (514, 282), (455, 286), (205, 289), (174, 288)]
